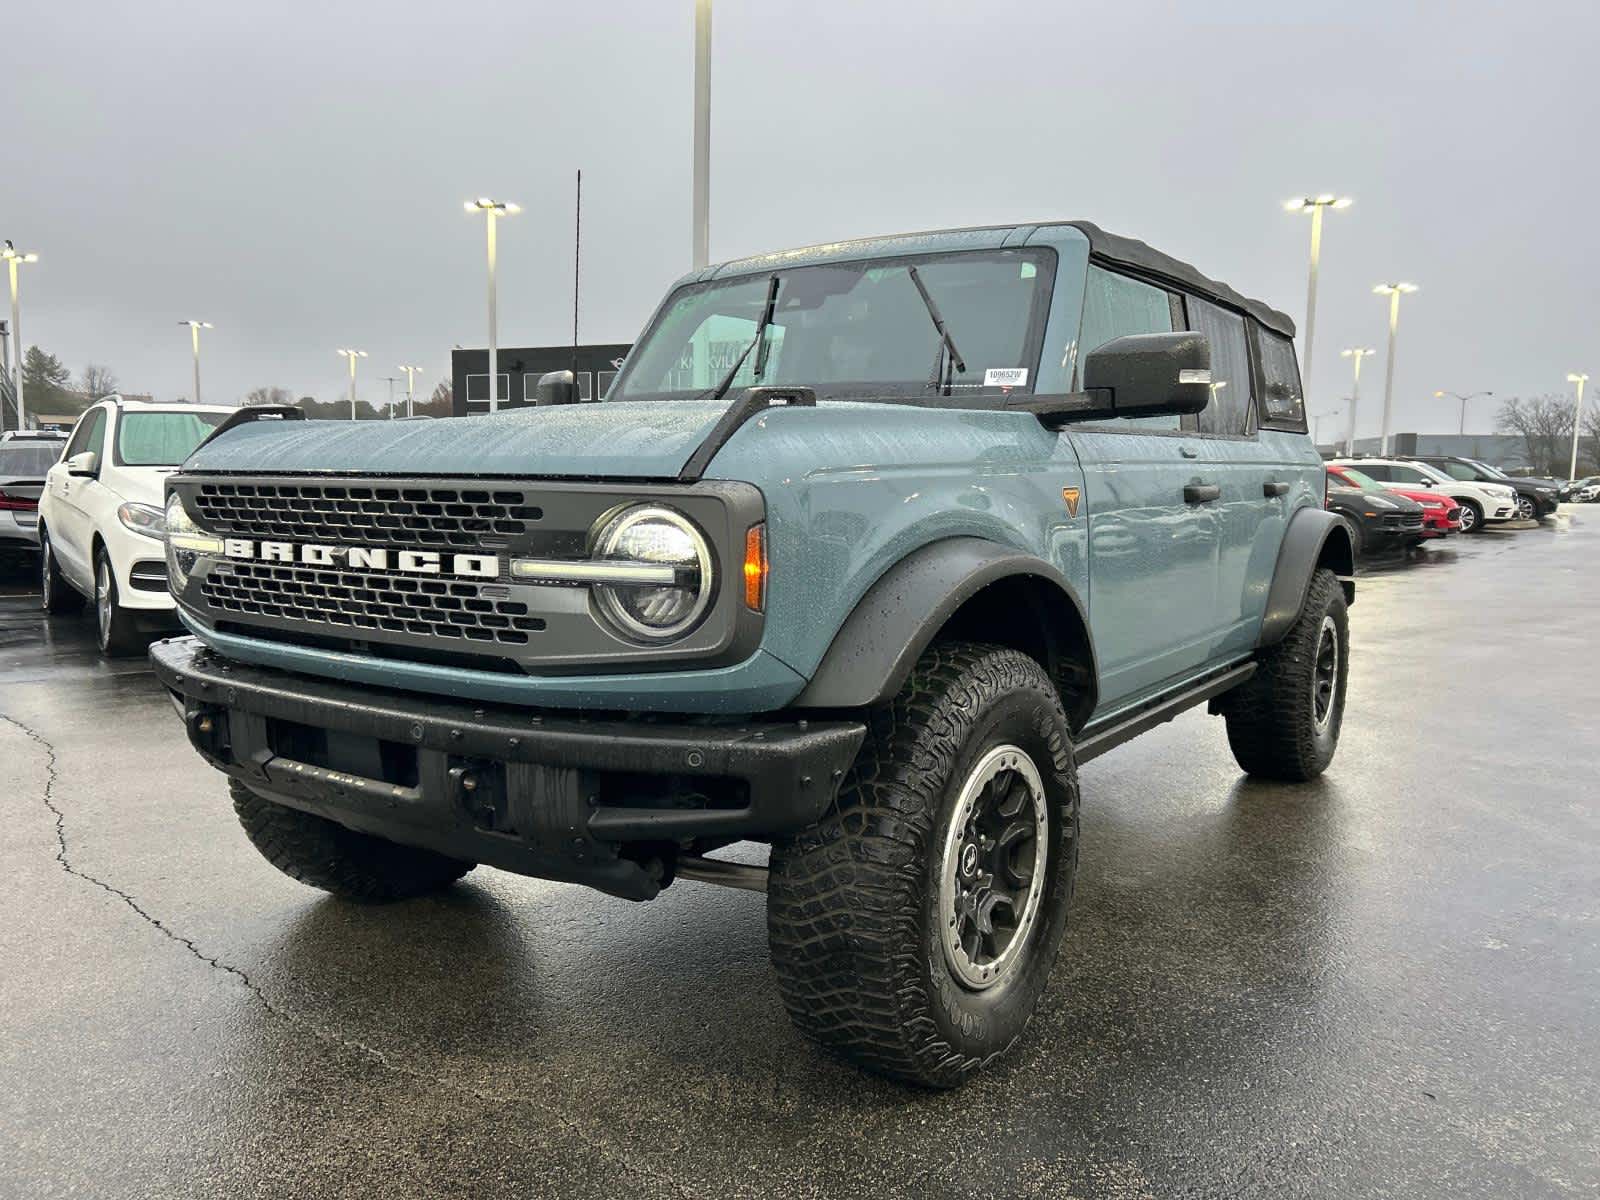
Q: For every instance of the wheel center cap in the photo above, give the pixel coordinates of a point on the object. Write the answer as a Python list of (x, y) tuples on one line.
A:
[(969, 859)]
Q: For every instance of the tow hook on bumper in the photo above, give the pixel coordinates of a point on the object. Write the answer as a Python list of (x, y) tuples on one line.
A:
[(617, 803)]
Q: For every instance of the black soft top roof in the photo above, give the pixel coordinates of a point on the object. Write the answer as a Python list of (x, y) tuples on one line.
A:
[(1131, 252)]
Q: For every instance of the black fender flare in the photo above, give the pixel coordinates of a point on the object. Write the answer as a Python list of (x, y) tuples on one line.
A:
[(1314, 537), (875, 649)]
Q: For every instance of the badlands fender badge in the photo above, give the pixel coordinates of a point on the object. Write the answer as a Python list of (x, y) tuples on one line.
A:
[(1070, 495)]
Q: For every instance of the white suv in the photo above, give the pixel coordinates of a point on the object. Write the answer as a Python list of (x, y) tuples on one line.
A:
[(101, 532), (1481, 503)]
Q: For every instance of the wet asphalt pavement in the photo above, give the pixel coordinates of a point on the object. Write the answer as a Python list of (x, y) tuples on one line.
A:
[(1383, 984)]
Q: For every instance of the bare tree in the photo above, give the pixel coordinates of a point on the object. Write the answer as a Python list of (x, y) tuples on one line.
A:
[(1545, 426), (269, 395), (440, 402), (97, 381)]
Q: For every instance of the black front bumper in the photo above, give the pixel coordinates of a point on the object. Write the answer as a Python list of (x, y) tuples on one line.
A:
[(601, 801)]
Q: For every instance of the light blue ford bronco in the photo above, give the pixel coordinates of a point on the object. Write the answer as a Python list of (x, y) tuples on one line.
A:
[(869, 546)]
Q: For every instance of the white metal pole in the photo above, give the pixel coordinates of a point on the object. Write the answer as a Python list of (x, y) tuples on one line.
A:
[(411, 384), (701, 219), (1311, 293), (1577, 419), (16, 345), (1388, 375), (195, 331), (494, 349), (352, 385), (1355, 399)]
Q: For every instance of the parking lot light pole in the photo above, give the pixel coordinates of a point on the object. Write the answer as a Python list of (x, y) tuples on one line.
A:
[(1577, 422), (1315, 205), (15, 258), (492, 210), (1394, 291), (701, 199), (411, 384), (1458, 396), (352, 355), (1356, 353), (194, 336)]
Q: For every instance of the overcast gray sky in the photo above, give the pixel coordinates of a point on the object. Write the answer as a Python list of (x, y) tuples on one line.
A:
[(294, 172)]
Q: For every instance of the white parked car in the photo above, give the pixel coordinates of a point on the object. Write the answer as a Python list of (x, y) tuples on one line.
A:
[(101, 530), (1481, 503)]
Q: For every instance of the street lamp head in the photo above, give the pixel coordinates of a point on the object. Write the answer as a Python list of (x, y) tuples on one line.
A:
[(410, 367), (1361, 352), (15, 255), (198, 324), (502, 208), (352, 353), (1311, 203), (1574, 378), (1390, 289)]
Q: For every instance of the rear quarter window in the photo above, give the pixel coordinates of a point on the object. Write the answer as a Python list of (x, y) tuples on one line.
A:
[(1282, 398)]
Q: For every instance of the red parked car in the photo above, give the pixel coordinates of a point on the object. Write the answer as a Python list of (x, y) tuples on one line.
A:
[(1441, 515)]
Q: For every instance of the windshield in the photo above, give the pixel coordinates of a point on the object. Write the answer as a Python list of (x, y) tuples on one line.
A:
[(853, 330), (162, 439), (1361, 480), (28, 460), (1491, 472)]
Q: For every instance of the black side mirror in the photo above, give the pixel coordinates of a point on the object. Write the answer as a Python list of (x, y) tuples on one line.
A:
[(555, 387), (1152, 374)]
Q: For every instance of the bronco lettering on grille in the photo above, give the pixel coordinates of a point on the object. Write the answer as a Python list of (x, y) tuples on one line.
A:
[(416, 562)]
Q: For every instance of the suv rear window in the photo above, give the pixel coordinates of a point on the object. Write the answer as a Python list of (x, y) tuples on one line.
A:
[(28, 460)]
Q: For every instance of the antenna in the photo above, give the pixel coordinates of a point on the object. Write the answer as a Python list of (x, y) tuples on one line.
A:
[(577, 252)]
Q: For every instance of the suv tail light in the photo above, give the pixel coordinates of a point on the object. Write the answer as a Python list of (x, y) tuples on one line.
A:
[(17, 503)]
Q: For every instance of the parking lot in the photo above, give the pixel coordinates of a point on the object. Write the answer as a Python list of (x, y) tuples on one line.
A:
[(1379, 984)]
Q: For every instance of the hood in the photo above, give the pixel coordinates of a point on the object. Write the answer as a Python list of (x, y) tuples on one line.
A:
[(143, 485), (648, 439)]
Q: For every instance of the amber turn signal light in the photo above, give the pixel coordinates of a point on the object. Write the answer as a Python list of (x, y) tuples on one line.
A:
[(755, 568)]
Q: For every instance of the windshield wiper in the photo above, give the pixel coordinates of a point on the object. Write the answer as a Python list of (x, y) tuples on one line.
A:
[(948, 354), (721, 389)]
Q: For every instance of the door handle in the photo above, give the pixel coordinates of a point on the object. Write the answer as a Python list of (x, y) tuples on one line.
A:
[(1188, 452), (1274, 487), (1201, 493)]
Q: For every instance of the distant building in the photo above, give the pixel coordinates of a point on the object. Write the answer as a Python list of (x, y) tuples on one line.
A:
[(1508, 451), (595, 366)]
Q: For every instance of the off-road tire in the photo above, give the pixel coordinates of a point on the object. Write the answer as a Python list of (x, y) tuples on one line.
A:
[(852, 900), (56, 595), (1471, 516), (1272, 718), (114, 626), (324, 854)]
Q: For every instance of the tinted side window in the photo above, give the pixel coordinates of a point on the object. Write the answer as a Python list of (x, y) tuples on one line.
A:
[(1281, 397), (1231, 410), (89, 435), (1377, 471), (1458, 471), (1406, 475), (1114, 306)]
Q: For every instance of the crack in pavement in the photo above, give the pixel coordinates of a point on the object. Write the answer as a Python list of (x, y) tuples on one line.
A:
[(327, 1036)]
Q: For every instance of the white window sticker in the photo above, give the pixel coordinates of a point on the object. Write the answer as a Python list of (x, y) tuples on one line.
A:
[(1005, 377)]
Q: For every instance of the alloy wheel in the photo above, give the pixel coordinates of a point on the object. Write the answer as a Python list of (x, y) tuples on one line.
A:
[(1524, 508), (991, 877), (1325, 673), (1469, 518), (44, 573), (102, 598)]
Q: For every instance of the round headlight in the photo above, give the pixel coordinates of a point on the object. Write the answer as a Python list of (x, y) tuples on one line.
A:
[(665, 608), (185, 542)]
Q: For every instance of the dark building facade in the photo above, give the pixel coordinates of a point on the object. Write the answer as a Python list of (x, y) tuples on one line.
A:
[(520, 367)]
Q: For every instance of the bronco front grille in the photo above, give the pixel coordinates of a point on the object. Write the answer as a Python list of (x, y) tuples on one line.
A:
[(446, 608), (362, 514)]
